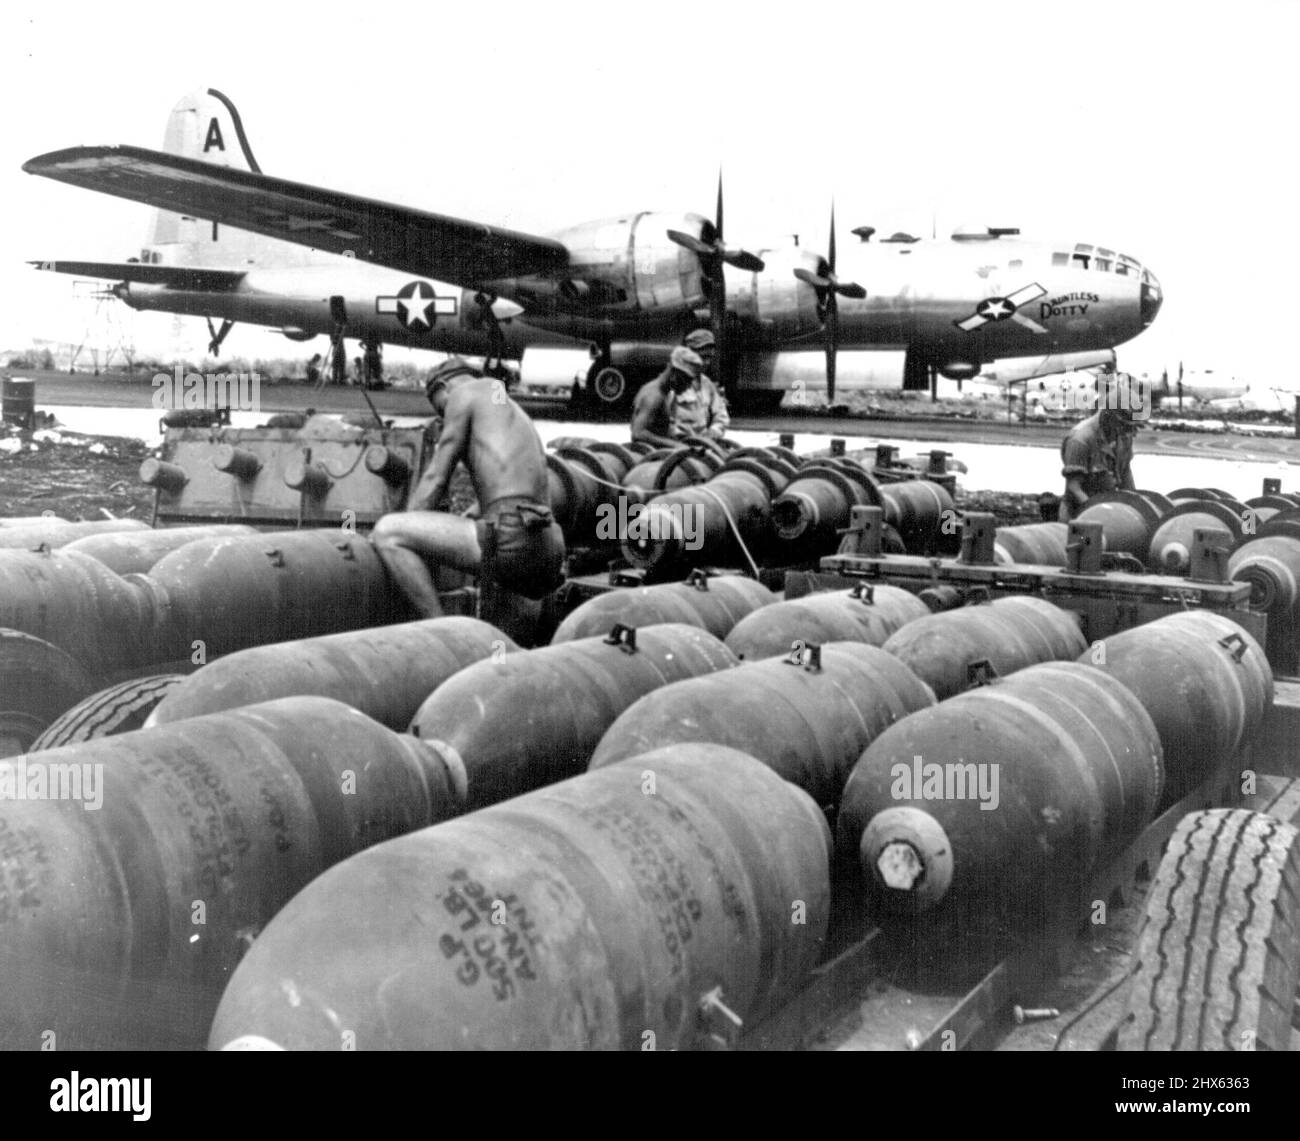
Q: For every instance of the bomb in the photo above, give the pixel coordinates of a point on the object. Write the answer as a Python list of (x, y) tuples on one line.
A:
[(714, 603), (126, 908), (996, 804), (808, 717), (1008, 634), (590, 915), (529, 719), (867, 614)]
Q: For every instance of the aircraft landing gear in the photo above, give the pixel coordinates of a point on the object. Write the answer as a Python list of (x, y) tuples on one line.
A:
[(338, 370), (494, 360), (217, 336)]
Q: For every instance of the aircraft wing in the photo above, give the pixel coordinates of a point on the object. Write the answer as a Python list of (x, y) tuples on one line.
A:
[(431, 245), (175, 276)]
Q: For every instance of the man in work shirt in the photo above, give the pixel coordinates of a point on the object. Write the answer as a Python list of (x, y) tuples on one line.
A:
[(701, 409), (652, 411), (1096, 457)]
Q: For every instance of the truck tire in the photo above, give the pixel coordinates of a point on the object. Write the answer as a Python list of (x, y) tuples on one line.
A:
[(1217, 960), (118, 709), (1278, 797)]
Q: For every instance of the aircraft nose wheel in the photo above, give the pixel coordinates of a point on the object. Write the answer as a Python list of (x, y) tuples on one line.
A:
[(607, 386)]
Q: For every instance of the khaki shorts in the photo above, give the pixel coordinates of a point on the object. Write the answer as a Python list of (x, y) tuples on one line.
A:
[(523, 547)]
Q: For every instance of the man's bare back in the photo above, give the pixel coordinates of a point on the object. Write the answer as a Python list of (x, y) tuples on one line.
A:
[(497, 442), (499, 446)]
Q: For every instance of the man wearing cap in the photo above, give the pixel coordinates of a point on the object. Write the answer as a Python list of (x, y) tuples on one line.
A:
[(515, 544), (701, 410), (652, 411), (1096, 457)]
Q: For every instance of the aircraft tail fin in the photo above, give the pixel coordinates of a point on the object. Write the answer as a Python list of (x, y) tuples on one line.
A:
[(205, 126)]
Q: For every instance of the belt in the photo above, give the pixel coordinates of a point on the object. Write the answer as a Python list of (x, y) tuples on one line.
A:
[(530, 512)]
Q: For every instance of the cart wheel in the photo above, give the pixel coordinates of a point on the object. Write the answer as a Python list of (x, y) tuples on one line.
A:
[(1218, 957), (118, 709)]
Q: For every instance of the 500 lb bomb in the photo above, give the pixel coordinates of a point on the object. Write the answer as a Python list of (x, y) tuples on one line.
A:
[(815, 506), (58, 533), (77, 604), (808, 724), (868, 614), (996, 803), (384, 673), (124, 922), (581, 480), (1009, 633), (135, 552), (1042, 544), (715, 603), (1204, 681), (528, 719), (595, 914), (707, 523), (247, 590)]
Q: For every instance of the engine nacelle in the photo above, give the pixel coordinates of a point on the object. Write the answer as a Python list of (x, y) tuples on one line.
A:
[(298, 334), (959, 370), (630, 264), (774, 299), (639, 357)]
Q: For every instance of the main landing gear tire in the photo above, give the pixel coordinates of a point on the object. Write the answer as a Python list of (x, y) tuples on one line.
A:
[(608, 387), (1217, 961)]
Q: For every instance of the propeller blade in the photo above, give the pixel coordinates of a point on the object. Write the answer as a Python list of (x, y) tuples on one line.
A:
[(717, 219), (830, 256), (832, 331), (722, 351), (743, 259), (810, 278), (850, 289), (692, 243)]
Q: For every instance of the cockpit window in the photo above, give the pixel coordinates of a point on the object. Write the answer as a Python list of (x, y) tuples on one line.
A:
[(1081, 261), (1060, 259)]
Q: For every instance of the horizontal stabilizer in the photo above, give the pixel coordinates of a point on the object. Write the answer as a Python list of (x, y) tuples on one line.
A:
[(433, 245), (175, 276)]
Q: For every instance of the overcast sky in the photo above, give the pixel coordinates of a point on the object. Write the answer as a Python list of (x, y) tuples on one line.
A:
[(1166, 130)]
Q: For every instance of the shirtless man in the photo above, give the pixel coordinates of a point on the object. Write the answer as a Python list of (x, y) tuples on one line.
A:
[(516, 536)]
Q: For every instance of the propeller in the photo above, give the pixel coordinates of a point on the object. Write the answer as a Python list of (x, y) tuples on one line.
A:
[(829, 288), (717, 251), (714, 254)]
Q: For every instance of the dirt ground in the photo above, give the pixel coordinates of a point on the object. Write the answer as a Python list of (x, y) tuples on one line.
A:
[(75, 477)]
